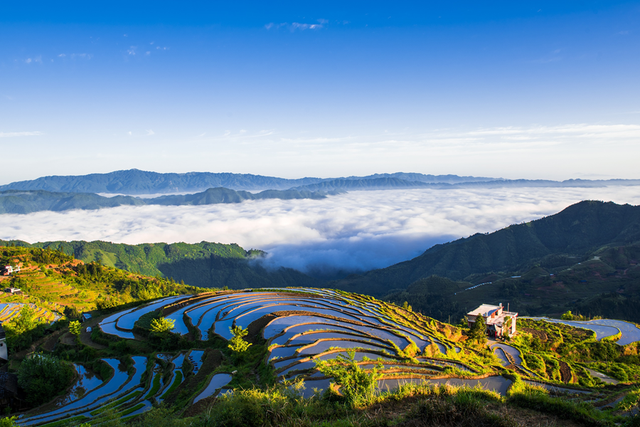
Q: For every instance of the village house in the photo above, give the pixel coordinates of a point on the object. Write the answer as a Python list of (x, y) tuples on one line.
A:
[(8, 270), (500, 323)]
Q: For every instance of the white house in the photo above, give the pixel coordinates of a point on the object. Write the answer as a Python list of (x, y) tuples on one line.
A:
[(499, 322)]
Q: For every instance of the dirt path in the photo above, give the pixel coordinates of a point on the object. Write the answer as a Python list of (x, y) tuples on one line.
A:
[(602, 377), (85, 337)]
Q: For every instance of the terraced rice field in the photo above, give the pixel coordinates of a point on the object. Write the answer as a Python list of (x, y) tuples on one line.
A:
[(603, 328), (123, 393), (304, 325), (300, 327), (9, 310)]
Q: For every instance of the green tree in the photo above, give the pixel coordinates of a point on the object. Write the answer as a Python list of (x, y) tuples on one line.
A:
[(237, 343), (162, 325), (23, 329), (478, 330), (567, 316), (42, 376), (71, 312), (357, 385), (75, 327), (508, 321), (8, 422), (25, 321)]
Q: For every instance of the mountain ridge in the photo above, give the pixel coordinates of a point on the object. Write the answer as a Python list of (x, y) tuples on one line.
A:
[(28, 201), (510, 247), (138, 182)]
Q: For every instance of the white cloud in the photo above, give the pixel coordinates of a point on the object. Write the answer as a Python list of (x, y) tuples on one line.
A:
[(150, 132), (299, 26), (358, 230), (296, 26), (132, 50), (15, 134)]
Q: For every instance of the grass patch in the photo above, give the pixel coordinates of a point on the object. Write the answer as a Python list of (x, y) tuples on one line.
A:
[(176, 382), (537, 398), (155, 387)]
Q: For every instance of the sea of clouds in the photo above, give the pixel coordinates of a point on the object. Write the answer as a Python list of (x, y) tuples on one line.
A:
[(357, 231)]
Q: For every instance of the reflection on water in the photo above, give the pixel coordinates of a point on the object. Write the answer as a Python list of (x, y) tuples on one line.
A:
[(217, 382), (87, 381)]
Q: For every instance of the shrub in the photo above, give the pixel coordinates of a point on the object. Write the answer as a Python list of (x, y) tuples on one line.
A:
[(162, 325), (356, 385), (43, 376), (237, 343), (75, 327)]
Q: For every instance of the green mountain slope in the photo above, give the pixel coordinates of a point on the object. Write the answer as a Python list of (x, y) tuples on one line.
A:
[(204, 264), (576, 230)]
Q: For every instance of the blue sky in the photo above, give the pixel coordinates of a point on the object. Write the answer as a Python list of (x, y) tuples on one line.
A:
[(531, 90)]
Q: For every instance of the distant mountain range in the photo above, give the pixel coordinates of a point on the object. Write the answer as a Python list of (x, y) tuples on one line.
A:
[(27, 201), (137, 182)]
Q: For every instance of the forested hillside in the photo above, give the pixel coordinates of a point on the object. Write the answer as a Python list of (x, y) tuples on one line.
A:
[(204, 264), (585, 258), (578, 229)]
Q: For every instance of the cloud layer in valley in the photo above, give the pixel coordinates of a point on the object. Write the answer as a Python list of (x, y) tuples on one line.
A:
[(355, 231)]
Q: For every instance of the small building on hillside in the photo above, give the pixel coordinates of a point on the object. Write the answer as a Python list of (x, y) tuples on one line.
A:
[(13, 291), (499, 321), (8, 270)]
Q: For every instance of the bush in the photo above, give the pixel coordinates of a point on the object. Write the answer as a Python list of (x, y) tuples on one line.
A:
[(42, 377), (162, 325), (75, 327), (356, 385), (237, 343)]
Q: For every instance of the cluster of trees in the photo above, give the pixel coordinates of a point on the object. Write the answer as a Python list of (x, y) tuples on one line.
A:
[(42, 376), (50, 256)]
